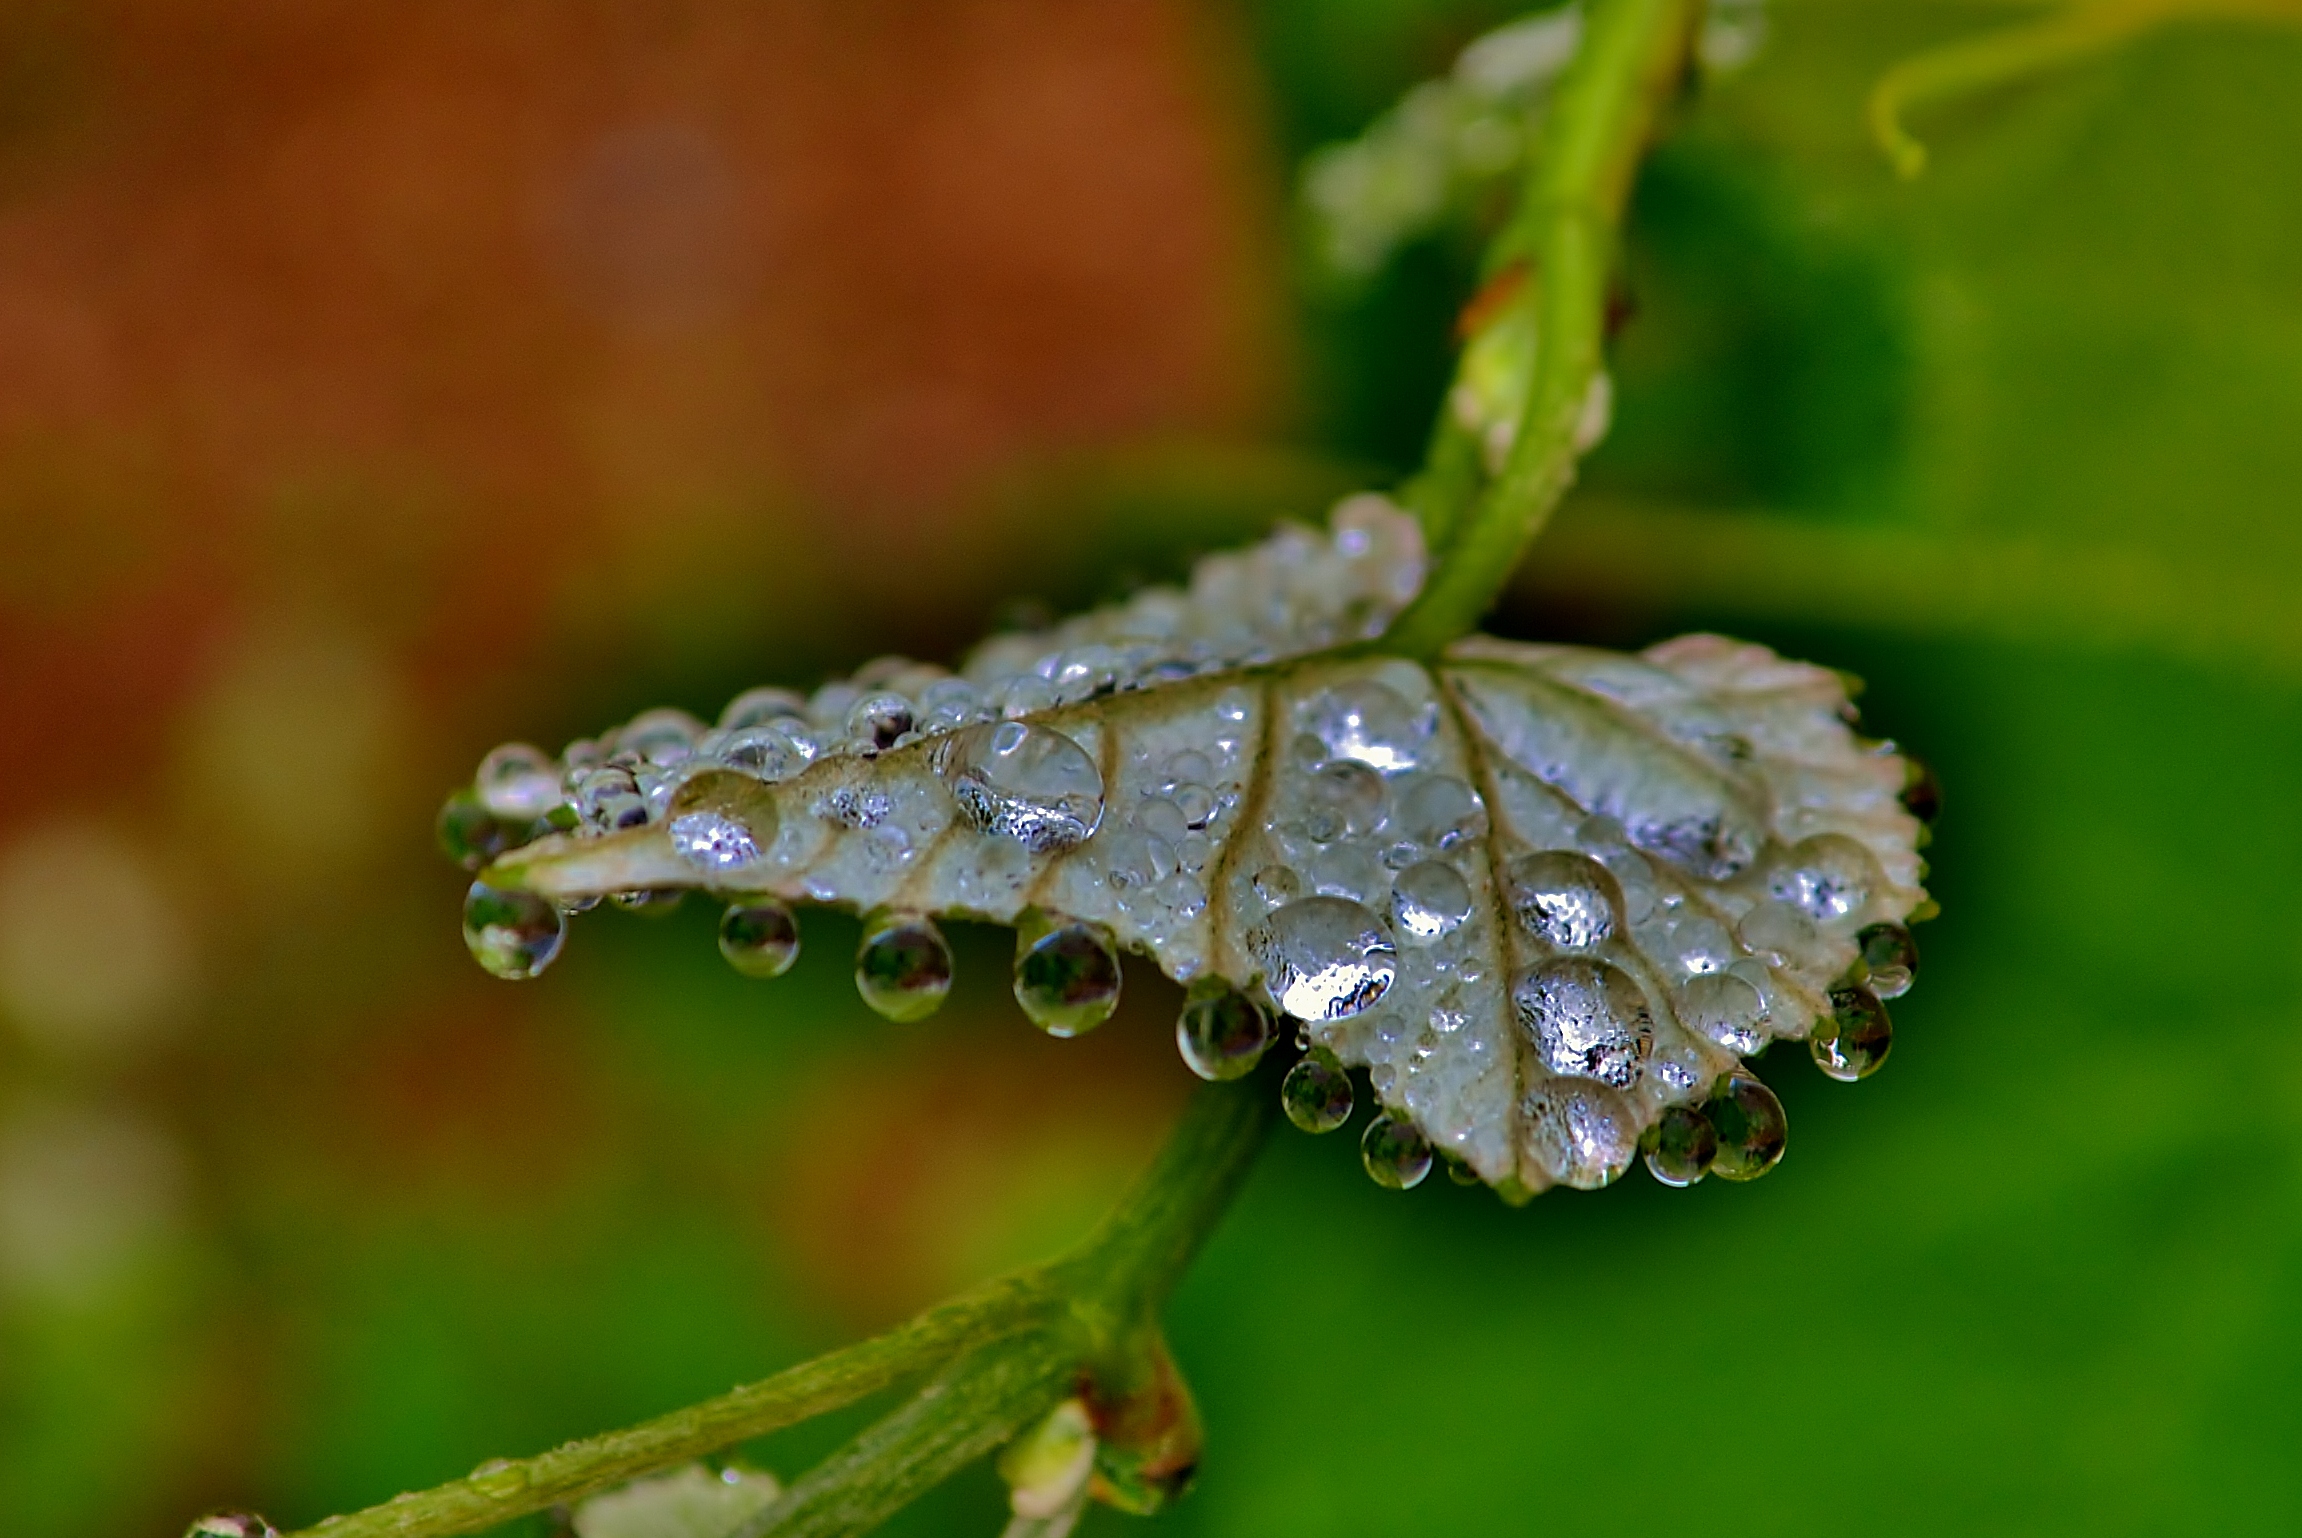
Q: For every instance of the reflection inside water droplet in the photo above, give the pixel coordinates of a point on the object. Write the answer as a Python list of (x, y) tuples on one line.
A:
[(517, 782), (759, 939), (903, 967), (1367, 722), (1587, 1018), (1316, 1093), (1325, 958), (1852, 1040), (1568, 901), (512, 934), (1222, 1033), (1395, 1153), (1751, 1128), (1066, 977), (1581, 1133), (1028, 783), (1680, 1146), (1890, 957)]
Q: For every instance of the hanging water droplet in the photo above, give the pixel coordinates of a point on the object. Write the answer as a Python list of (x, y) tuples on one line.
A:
[(1587, 1018), (1369, 723), (1316, 1093), (878, 721), (1569, 901), (1440, 810), (1222, 1033), (1066, 977), (517, 782), (660, 737), (1751, 1128), (1921, 791), (1581, 1133), (1396, 1154), (1852, 1040), (1325, 958), (762, 707), (1028, 783), (1827, 877), (1342, 799), (1680, 1146), (1462, 1174), (470, 834), (1429, 899), (231, 1524), (903, 967), (765, 752), (722, 821), (759, 939), (651, 902), (1721, 1007), (513, 934), (1890, 957)]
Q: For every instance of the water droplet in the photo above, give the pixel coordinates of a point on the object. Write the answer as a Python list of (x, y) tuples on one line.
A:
[(1316, 1093), (1441, 810), (231, 1524), (1921, 791), (1396, 1154), (1162, 818), (762, 707), (1581, 1133), (1028, 783), (470, 834), (655, 903), (660, 737), (1854, 1038), (759, 939), (1568, 901), (1369, 723), (1342, 799), (1067, 977), (1721, 1007), (1429, 899), (1325, 958), (1277, 885), (500, 1477), (878, 721), (903, 967), (1680, 1146), (608, 800), (1462, 1174), (765, 752), (1751, 1128), (950, 703), (1700, 943), (1827, 877), (722, 821), (1587, 1018), (512, 934), (1189, 767), (1890, 956), (1783, 933), (1222, 1033), (517, 782)]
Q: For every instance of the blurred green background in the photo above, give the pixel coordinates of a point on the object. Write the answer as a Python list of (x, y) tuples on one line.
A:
[(376, 385)]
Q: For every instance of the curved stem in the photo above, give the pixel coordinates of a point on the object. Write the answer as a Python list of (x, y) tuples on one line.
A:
[(1632, 59)]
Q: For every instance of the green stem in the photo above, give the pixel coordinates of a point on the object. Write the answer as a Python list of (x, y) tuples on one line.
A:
[(1632, 58), (1007, 1350)]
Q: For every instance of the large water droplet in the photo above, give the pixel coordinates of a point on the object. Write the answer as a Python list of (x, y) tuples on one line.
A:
[(1396, 1154), (1028, 783), (1067, 977), (1429, 899), (1369, 723), (231, 1524), (903, 967), (470, 834), (1721, 1007), (759, 939), (1751, 1128), (1827, 877), (722, 821), (513, 934), (1680, 1146), (1568, 901), (1316, 1093), (1890, 957), (1587, 1018), (1852, 1040), (767, 752), (1222, 1033), (517, 782), (1581, 1133), (1325, 958)]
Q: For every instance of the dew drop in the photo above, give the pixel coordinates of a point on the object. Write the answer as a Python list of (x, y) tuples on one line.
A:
[(1568, 901), (878, 721), (512, 934), (1779, 930), (759, 939), (903, 967), (1721, 1007), (1680, 1146), (1222, 1033), (1028, 783), (1189, 767), (1581, 1133), (1067, 977), (1854, 1038), (660, 737), (1316, 1093), (1827, 877), (607, 798), (1343, 799), (654, 903), (1429, 900), (470, 834), (1163, 819), (231, 1524), (517, 782), (1441, 811), (722, 821), (1396, 1154), (1751, 1128), (765, 752), (1277, 885), (762, 707), (1890, 956), (1586, 1018), (1368, 723), (1325, 958)]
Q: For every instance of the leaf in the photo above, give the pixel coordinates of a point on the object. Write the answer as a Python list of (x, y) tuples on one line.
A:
[(1548, 897)]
